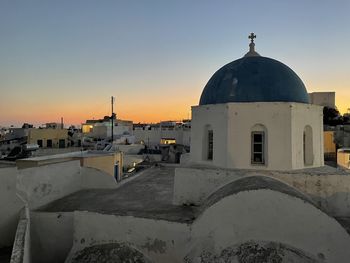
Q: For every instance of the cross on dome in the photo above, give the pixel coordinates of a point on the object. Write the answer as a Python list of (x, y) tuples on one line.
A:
[(251, 37), (252, 52)]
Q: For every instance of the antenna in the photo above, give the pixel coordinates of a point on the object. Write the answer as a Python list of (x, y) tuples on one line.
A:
[(112, 102)]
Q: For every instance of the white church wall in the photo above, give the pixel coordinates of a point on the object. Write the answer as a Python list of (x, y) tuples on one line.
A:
[(43, 184), (265, 215), (216, 117), (159, 240), (10, 206), (275, 117), (51, 236), (307, 115), (233, 123)]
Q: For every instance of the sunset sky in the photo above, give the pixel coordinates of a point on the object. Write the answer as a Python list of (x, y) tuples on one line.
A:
[(66, 58)]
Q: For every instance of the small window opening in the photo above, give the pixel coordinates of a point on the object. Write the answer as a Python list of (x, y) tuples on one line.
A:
[(210, 144), (258, 148)]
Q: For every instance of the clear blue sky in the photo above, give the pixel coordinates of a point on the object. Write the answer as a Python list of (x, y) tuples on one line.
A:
[(66, 58)]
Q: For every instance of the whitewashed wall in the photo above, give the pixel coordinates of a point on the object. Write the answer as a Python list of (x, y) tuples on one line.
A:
[(10, 206), (153, 137), (302, 115), (51, 236), (232, 124), (92, 178), (43, 184), (160, 241), (216, 117), (277, 121), (329, 191), (266, 215), (194, 185), (261, 215)]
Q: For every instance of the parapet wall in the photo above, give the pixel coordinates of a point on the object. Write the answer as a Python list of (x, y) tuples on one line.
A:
[(21, 252), (329, 188)]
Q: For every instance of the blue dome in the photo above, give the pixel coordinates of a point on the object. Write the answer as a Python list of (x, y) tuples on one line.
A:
[(254, 79)]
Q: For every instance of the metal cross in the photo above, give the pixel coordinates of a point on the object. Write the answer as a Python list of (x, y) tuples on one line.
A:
[(251, 37)]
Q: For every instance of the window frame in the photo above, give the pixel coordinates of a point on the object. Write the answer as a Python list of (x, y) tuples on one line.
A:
[(262, 152)]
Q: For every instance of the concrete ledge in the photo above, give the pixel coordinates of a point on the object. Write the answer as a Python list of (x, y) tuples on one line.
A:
[(21, 245)]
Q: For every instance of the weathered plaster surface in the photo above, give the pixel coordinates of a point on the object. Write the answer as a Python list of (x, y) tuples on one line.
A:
[(158, 240), (21, 252), (141, 215), (253, 252), (41, 185), (92, 178), (10, 206), (328, 187), (232, 124), (272, 216), (52, 236), (112, 252)]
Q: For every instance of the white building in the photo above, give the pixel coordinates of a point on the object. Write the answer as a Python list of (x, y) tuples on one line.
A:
[(102, 129), (326, 99), (167, 132), (254, 113)]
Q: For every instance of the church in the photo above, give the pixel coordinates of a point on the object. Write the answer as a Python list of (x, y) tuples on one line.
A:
[(254, 113)]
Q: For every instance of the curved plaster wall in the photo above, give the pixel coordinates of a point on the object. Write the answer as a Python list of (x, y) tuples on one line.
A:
[(270, 216)]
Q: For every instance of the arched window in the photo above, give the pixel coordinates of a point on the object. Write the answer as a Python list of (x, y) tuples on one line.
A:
[(308, 151), (258, 144), (208, 143)]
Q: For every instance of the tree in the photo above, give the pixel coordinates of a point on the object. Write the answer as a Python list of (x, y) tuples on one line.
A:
[(332, 117)]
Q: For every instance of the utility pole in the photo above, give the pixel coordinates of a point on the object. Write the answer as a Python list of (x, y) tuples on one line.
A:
[(112, 102)]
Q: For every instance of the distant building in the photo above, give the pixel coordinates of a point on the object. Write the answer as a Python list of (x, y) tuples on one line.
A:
[(164, 133), (49, 137), (343, 158), (326, 99), (102, 128)]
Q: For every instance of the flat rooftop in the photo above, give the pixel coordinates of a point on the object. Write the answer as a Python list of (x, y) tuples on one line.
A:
[(149, 195)]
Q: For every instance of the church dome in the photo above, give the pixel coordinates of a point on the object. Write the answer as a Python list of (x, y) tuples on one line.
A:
[(254, 78)]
